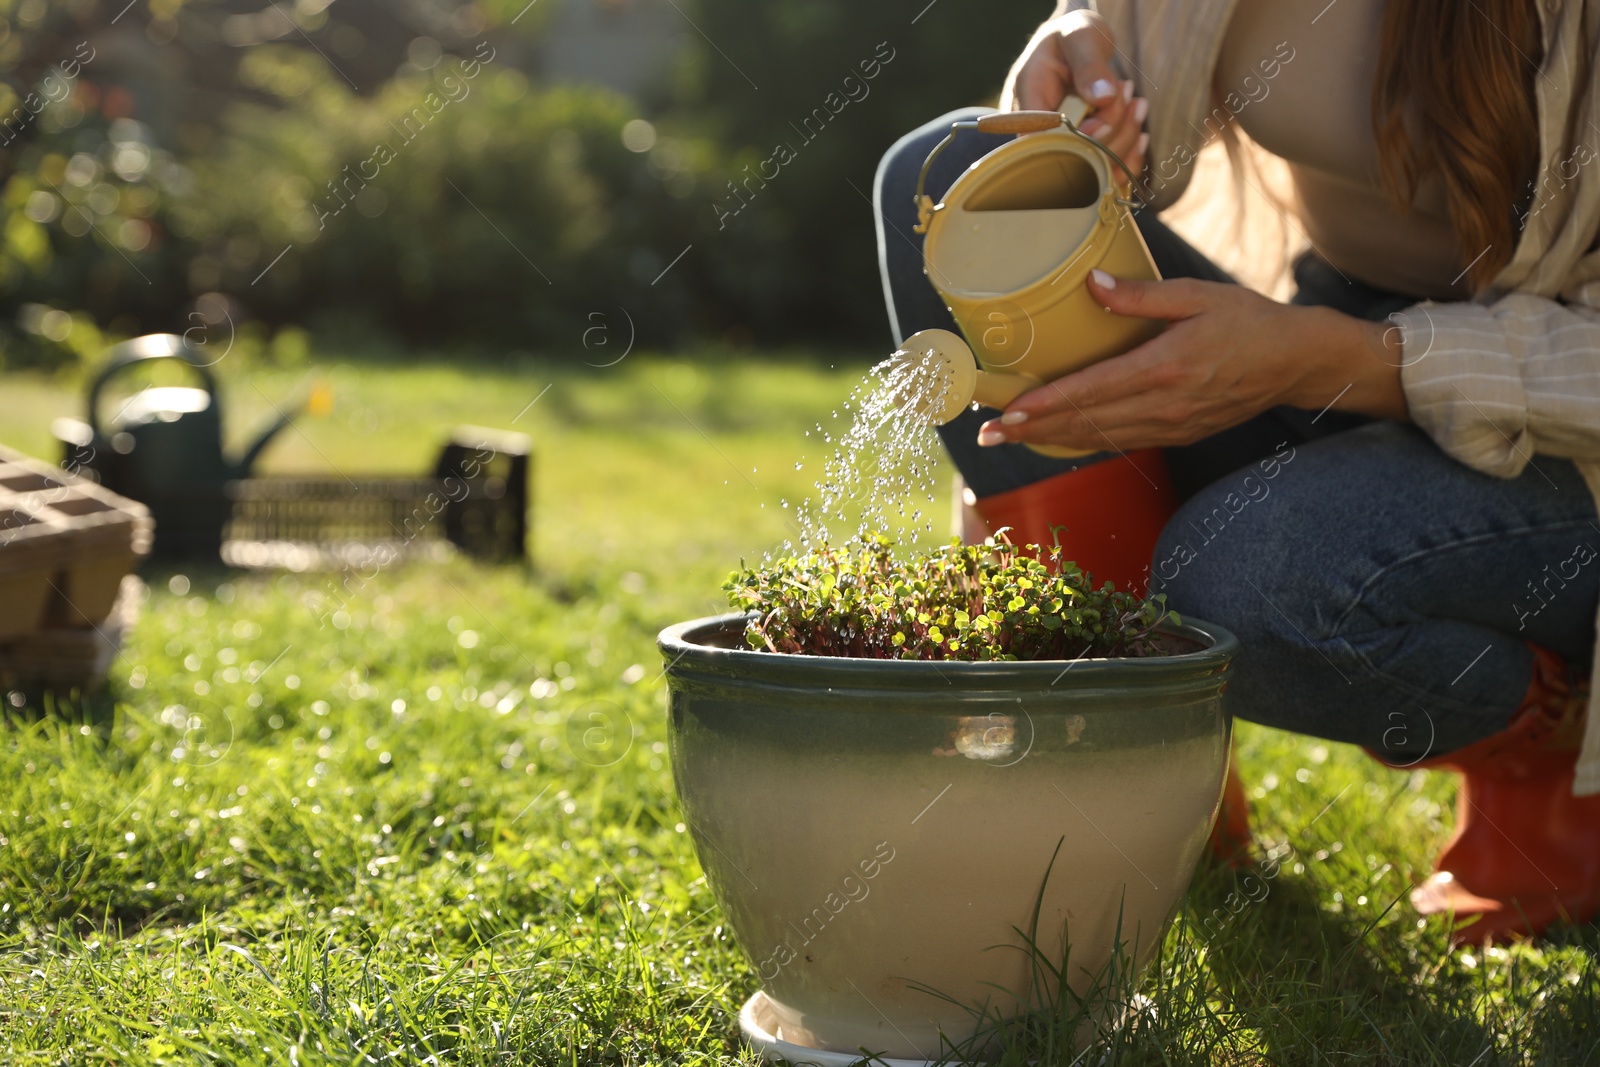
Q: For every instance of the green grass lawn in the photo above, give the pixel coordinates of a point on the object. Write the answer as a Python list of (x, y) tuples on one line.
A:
[(439, 826)]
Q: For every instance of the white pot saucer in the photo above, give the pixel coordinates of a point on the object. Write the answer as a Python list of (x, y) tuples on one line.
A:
[(757, 1023)]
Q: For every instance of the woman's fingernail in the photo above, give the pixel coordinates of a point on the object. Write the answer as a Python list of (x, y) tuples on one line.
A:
[(1011, 418), (1102, 279), (1144, 143), (1102, 90), (989, 438), (1141, 108), (1127, 91)]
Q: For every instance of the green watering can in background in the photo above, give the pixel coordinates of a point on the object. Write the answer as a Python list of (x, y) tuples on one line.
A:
[(164, 447)]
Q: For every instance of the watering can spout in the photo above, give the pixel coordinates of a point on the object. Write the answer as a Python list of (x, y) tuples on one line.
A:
[(937, 376), (318, 401), (242, 468)]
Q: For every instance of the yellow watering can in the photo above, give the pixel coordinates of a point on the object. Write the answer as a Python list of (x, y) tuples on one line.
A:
[(1009, 249)]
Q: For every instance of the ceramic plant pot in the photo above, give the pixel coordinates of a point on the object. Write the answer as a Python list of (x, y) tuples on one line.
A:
[(876, 829)]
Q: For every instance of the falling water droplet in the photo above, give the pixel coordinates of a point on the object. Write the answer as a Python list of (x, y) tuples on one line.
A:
[(885, 458)]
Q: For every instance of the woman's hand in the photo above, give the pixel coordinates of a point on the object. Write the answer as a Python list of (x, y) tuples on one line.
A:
[(1072, 54), (1228, 355)]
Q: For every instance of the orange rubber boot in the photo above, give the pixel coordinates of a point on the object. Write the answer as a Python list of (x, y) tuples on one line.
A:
[(1525, 852), (1230, 835), (1106, 516)]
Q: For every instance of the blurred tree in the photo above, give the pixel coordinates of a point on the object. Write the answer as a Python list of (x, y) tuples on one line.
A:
[(402, 167), (82, 183), (801, 257)]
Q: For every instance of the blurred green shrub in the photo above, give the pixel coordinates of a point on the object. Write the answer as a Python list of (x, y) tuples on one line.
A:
[(460, 201), (86, 238), (460, 206)]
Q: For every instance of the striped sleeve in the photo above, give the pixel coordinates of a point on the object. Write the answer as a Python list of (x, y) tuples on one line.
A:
[(1494, 384)]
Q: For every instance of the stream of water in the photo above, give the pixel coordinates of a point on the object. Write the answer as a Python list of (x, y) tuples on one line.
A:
[(881, 477)]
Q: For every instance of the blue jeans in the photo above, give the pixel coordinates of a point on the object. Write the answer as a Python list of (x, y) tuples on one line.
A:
[(1383, 593)]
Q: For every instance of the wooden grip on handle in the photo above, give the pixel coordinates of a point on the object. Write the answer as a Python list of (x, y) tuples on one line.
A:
[(1019, 122)]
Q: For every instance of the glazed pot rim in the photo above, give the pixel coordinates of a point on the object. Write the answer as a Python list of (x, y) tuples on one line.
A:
[(686, 651)]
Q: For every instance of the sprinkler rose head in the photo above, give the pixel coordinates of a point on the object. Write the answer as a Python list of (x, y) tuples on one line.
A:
[(935, 375)]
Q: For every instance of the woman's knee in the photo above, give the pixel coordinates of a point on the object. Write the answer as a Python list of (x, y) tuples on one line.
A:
[(1241, 553), (1306, 547)]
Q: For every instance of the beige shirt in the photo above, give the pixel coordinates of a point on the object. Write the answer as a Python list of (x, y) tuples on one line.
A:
[(1499, 379), (1317, 116)]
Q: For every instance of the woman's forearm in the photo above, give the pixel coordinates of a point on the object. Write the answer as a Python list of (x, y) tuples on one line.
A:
[(1353, 365), (1227, 355)]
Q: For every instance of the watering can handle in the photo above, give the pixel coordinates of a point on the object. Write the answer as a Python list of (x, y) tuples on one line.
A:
[(1020, 122), (141, 349)]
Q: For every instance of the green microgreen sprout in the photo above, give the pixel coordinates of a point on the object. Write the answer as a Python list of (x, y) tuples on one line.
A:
[(994, 601)]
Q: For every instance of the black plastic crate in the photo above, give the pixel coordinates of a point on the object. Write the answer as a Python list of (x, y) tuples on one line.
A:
[(476, 500), (322, 510)]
